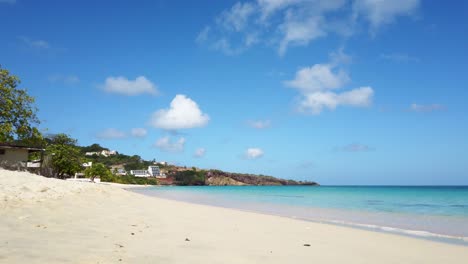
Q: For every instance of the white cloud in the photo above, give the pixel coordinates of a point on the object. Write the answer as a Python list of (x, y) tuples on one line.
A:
[(260, 124), (380, 12), (237, 17), (122, 85), (315, 102), (318, 77), (35, 44), (111, 133), (286, 23), (426, 108), (254, 153), (200, 152), (317, 86), (139, 132), (203, 35), (165, 144), (299, 32), (183, 113), (269, 7), (399, 57), (224, 46), (65, 79)]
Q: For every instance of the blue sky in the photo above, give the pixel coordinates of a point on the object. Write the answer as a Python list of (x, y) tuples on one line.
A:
[(336, 91)]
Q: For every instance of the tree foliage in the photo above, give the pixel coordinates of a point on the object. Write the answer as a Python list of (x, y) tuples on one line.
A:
[(130, 179), (190, 177), (98, 170), (93, 148), (66, 158), (17, 110)]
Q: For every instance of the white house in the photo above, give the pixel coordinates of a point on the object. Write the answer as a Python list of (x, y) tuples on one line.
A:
[(153, 171), (107, 153), (140, 173)]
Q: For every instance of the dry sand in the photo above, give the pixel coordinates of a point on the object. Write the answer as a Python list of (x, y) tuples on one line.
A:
[(52, 221)]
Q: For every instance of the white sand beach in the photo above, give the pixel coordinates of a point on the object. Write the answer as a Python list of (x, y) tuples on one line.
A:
[(53, 221)]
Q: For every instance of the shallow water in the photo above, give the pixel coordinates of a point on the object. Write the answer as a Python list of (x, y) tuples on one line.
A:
[(433, 212)]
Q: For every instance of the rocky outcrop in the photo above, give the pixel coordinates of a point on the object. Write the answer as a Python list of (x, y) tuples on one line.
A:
[(222, 181), (217, 177)]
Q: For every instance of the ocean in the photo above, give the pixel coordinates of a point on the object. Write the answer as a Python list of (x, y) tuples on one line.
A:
[(434, 212)]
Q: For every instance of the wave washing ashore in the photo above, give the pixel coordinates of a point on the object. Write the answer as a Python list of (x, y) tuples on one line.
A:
[(439, 213)]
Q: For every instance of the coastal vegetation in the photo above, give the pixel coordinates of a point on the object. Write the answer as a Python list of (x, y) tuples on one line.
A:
[(63, 157), (190, 177), (98, 170), (17, 112)]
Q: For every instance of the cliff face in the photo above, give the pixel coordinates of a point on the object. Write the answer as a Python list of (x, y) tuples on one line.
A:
[(222, 181), (216, 177)]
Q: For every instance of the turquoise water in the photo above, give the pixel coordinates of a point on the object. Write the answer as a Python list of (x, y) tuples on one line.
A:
[(420, 211)]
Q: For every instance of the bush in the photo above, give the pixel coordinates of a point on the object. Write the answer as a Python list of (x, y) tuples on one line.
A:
[(190, 177), (130, 179)]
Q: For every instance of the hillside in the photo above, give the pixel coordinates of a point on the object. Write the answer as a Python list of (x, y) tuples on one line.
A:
[(183, 175)]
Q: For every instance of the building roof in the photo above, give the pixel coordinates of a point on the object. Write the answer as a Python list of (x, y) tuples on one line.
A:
[(16, 146)]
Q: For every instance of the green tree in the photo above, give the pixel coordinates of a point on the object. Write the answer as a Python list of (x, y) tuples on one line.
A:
[(93, 148), (98, 170), (66, 158), (190, 177), (17, 110)]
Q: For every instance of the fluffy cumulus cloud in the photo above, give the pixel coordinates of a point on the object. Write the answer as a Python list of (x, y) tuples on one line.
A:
[(287, 23), (319, 87), (253, 153), (139, 132), (426, 108), (259, 124), (183, 113), (167, 145), (200, 152), (111, 133), (122, 85), (318, 77)]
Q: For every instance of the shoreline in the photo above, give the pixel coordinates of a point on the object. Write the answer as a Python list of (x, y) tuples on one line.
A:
[(93, 223), (417, 234), (407, 232)]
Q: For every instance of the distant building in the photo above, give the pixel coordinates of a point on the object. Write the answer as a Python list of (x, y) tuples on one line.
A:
[(140, 173), (154, 171), (15, 156), (105, 153), (121, 172)]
